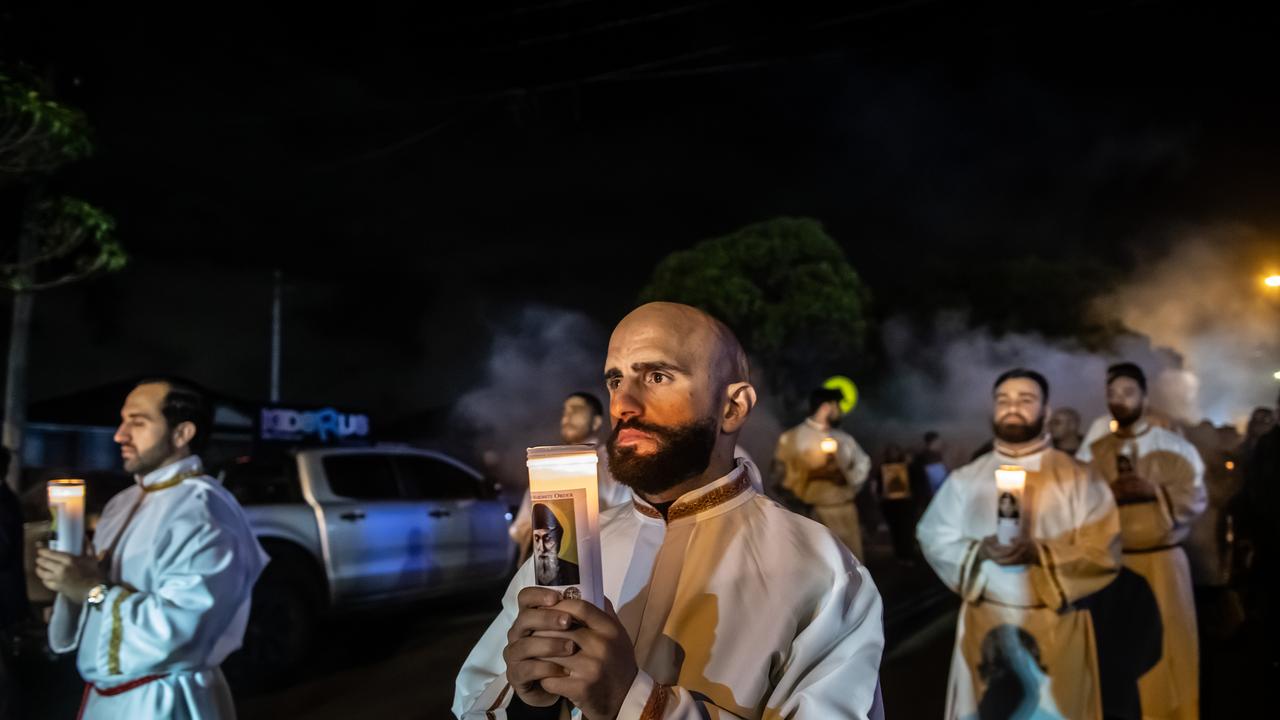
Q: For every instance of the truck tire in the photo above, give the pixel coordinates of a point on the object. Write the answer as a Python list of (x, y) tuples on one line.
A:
[(282, 620)]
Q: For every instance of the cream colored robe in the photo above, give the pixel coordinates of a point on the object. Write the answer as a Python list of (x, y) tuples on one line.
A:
[(1020, 619)]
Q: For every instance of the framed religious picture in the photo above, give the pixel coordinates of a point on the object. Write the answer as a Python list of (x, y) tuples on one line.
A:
[(897, 486)]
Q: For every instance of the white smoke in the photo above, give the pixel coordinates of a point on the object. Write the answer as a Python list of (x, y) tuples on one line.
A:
[(940, 379), (537, 359), (1202, 325), (1207, 300)]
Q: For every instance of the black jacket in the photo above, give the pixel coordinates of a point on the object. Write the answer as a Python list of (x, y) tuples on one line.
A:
[(13, 578)]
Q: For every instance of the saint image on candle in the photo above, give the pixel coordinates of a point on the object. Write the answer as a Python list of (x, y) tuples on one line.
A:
[(1008, 506), (1010, 482), (553, 543)]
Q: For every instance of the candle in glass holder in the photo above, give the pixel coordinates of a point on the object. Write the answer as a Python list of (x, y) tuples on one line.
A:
[(564, 492), (66, 507), (829, 445), (1011, 480)]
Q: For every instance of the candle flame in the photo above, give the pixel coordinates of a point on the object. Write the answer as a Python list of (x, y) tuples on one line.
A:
[(1011, 477), (829, 446), (1231, 465), (66, 488)]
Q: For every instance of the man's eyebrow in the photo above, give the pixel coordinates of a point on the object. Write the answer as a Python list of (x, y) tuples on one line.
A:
[(658, 365), (612, 373)]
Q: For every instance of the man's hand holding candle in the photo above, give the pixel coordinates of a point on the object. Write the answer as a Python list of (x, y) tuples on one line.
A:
[(1019, 552), (72, 575), (601, 672), (571, 649)]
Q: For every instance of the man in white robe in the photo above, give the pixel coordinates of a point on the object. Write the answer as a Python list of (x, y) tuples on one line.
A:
[(721, 603), (826, 479), (1022, 649), (164, 596), (1157, 478)]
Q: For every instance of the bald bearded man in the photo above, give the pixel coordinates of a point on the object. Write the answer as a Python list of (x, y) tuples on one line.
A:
[(720, 603)]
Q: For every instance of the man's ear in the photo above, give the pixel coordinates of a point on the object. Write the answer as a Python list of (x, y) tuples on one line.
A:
[(740, 398), (184, 433), (596, 422)]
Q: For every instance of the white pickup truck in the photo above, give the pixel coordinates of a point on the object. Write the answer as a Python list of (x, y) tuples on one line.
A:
[(353, 527)]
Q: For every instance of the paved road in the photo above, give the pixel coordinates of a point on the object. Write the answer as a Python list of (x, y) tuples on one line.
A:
[(402, 664)]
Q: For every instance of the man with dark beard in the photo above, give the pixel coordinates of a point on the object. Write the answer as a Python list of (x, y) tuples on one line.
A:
[(1158, 481), (164, 595), (1069, 549), (721, 603)]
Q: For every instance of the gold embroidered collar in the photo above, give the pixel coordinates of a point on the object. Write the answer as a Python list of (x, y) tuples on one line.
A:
[(689, 506), (173, 481)]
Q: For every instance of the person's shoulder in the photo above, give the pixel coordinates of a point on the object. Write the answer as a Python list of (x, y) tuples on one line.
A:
[(1271, 440), (1170, 440), (203, 499), (803, 537), (1065, 467), (843, 435), (971, 471), (1097, 444), (618, 519), (1064, 460), (122, 501), (615, 513)]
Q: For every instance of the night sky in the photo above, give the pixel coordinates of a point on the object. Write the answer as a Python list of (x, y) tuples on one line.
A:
[(418, 178)]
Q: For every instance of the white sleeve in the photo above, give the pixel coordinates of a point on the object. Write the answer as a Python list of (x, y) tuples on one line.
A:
[(66, 625), (857, 466), (482, 687), (951, 554)]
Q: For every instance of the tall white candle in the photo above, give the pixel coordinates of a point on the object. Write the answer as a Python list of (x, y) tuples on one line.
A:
[(66, 507), (1011, 481), (564, 491)]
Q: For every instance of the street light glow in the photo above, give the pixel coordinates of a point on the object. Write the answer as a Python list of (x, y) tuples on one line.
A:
[(1273, 281)]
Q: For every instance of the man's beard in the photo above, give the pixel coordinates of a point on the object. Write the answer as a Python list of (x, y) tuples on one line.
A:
[(1019, 432), (547, 565), (1124, 416), (683, 452), (150, 461)]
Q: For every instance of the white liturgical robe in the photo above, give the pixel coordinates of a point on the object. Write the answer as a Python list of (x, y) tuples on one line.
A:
[(1022, 649), (1152, 532), (736, 607), (182, 565)]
